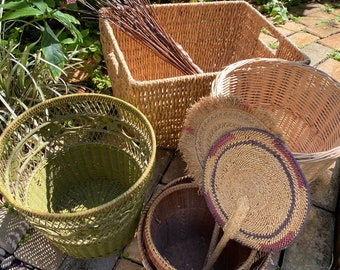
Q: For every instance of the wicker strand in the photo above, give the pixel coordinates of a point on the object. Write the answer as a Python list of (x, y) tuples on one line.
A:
[(213, 242)]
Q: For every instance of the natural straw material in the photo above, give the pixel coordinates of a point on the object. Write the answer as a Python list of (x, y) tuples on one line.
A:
[(77, 167), (214, 34), (252, 163), (304, 101), (175, 230), (210, 118), (137, 19)]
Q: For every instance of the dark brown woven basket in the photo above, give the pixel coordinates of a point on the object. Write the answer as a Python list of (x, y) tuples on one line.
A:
[(176, 228)]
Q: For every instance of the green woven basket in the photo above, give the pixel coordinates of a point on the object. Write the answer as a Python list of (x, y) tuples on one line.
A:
[(77, 167)]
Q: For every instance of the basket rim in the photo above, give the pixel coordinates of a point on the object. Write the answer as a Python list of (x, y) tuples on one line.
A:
[(70, 97), (145, 233), (245, 62), (144, 83), (141, 224), (119, 54)]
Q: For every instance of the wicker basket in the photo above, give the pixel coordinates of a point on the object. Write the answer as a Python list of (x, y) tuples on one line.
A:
[(77, 168), (214, 34), (176, 228), (304, 101)]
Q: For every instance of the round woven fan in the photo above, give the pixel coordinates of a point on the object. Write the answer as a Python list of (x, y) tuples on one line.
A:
[(254, 163), (210, 118), (255, 190)]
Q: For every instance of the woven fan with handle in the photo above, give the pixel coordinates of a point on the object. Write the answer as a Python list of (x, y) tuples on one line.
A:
[(255, 190)]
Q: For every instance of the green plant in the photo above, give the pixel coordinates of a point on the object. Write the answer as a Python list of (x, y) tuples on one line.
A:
[(34, 60), (100, 79), (277, 10), (26, 237), (25, 81), (274, 45), (294, 18), (124, 255), (8, 207), (41, 23), (337, 18), (19, 82), (328, 8), (335, 55)]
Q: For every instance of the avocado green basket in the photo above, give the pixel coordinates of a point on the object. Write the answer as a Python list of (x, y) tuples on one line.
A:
[(77, 167)]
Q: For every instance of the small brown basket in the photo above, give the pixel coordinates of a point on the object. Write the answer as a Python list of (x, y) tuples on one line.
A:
[(304, 101), (214, 34), (176, 229)]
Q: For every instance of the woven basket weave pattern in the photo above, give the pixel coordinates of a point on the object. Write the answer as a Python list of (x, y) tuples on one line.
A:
[(77, 167), (158, 89), (254, 163), (176, 228), (303, 100)]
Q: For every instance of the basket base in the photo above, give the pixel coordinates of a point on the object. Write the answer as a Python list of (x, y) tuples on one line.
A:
[(80, 178), (88, 195)]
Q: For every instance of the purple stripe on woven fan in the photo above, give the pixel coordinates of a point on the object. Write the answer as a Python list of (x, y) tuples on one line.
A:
[(291, 185), (282, 243), (213, 210), (302, 183), (220, 143)]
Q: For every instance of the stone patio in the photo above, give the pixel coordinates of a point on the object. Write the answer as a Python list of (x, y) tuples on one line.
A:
[(316, 33)]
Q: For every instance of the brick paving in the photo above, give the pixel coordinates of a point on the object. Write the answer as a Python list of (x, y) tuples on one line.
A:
[(317, 33)]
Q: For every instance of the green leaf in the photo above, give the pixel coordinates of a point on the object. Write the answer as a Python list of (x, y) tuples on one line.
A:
[(23, 12), (23, 61), (41, 5), (52, 51), (50, 3), (69, 22), (14, 5), (67, 41)]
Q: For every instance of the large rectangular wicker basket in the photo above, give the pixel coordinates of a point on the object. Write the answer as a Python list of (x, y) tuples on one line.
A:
[(214, 34)]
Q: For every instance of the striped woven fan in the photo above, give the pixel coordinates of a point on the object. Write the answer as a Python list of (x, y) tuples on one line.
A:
[(255, 190)]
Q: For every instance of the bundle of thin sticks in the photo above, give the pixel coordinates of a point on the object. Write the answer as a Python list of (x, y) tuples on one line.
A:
[(137, 19)]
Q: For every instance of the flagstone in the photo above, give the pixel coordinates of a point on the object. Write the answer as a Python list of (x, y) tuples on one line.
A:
[(12, 228), (313, 249)]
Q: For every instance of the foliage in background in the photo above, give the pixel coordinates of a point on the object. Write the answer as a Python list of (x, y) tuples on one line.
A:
[(25, 81), (278, 9), (40, 23), (65, 39), (41, 44)]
